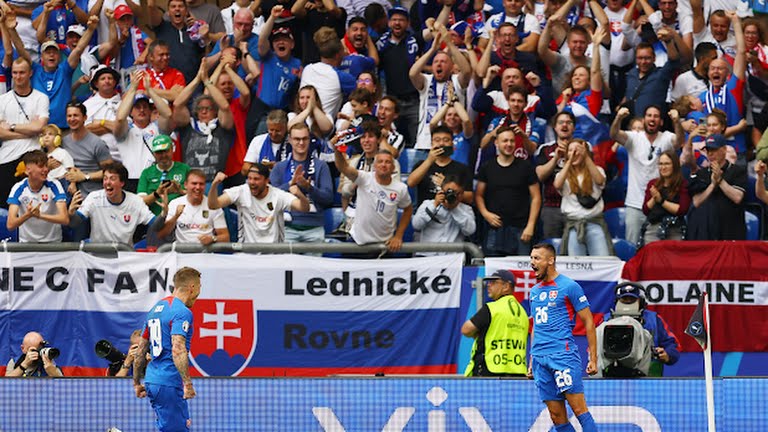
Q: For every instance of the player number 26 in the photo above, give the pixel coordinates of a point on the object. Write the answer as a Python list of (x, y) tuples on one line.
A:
[(541, 315), (563, 378)]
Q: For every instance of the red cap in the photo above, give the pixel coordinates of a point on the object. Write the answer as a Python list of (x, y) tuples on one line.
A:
[(122, 11)]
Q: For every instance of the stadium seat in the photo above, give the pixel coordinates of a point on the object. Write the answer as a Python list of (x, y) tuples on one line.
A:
[(408, 159), (4, 232), (555, 242), (333, 217), (753, 226), (614, 193), (615, 220), (408, 235), (750, 196), (624, 249)]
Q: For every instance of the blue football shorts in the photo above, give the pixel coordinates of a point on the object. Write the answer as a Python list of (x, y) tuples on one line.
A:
[(556, 374), (170, 407)]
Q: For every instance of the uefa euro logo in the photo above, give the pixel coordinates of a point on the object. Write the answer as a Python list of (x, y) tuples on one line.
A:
[(224, 338)]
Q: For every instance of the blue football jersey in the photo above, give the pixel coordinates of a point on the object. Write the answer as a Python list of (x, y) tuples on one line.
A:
[(553, 307), (170, 316)]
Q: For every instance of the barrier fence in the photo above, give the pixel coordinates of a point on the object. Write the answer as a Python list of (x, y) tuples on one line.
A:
[(379, 404)]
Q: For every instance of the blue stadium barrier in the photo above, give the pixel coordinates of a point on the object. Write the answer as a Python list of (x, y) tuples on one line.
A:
[(615, 220), (624, 249), (392, 404), (5, 233)]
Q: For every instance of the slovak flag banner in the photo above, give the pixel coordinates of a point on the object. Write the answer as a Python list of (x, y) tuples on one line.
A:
[(734, 276), (266, 315), (596, 275)]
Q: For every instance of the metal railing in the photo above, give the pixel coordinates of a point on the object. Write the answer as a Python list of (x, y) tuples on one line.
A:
[(99, 248), (475, 254)]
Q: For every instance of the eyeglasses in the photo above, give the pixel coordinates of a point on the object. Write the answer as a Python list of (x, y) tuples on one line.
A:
[(365, 81), (205, 108)]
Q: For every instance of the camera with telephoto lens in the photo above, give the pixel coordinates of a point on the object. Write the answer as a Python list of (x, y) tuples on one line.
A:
[(451, 196), (108, 352), (49, 351)]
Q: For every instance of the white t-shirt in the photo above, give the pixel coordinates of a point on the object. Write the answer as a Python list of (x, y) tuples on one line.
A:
[(260, 220), (618, 56), (688, 84), (98, 109), (643, 163), (531, 23), (15, 109), (134, 148), (424, 137), (66, 160), (228, 16), (570, 206), (195, 220), (377, 204), (728, 46), (36, 230), (325, 79), (114, 222)]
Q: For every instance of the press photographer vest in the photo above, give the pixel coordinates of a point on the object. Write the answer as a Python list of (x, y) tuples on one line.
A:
[(505, 340)]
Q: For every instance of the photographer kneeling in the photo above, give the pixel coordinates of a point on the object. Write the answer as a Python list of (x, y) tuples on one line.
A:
[(36, 360), (622, 350)]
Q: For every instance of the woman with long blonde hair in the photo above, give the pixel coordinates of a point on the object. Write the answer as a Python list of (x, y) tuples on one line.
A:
[(581, 184)]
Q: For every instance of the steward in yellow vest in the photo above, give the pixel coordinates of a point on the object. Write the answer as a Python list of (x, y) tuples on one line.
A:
[(500, 329)]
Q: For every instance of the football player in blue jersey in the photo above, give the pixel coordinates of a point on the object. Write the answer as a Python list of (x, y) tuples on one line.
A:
[(555, 363), (166, 336)]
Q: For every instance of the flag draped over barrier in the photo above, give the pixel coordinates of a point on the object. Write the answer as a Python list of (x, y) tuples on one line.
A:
[(256, 315), (675, 273)]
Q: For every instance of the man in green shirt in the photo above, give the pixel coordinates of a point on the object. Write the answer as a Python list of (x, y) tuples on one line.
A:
[(164, 176)]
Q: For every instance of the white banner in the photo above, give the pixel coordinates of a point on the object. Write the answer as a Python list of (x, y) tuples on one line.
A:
[(81, 281), (296, 282)]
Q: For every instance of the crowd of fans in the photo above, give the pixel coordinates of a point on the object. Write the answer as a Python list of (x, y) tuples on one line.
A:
[(503, 122)]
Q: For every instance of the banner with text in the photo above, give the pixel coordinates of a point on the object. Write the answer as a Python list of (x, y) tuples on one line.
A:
[(257, 315), (733, 275)]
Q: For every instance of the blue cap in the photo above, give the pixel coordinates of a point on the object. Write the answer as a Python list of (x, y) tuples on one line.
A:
[(399, 9), (504, 275), (715, 142)]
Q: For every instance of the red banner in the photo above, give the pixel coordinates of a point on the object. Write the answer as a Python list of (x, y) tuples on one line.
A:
[(735, 276)]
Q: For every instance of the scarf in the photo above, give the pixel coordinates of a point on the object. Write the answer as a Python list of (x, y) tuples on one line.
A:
[(716, 99), (434, 102), (283, 152), (347, 43), (205, 128)]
